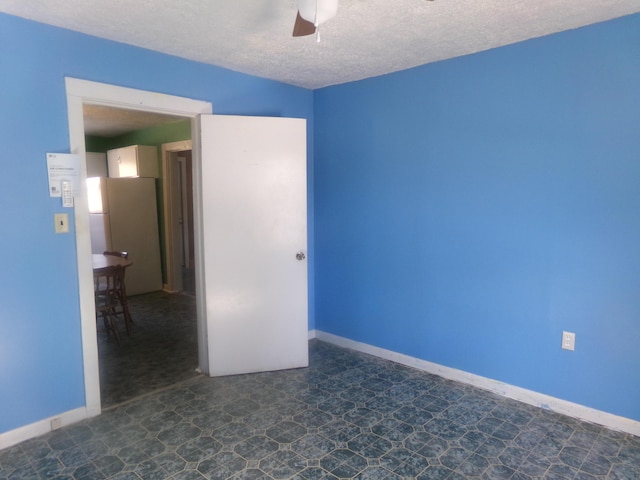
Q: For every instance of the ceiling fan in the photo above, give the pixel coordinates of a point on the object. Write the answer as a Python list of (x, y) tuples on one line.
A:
[(312, 13)]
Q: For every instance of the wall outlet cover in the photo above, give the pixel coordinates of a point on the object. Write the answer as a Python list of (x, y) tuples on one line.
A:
[(568, 341)]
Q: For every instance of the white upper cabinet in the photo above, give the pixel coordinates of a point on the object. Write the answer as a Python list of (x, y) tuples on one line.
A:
[(133, 161)]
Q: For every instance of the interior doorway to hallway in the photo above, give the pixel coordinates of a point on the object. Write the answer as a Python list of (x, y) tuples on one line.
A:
[(177, 168), (79, 93), (161, 348), (186, 223)]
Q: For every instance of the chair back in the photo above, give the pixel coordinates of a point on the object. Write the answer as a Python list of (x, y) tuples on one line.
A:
[(116, 254)]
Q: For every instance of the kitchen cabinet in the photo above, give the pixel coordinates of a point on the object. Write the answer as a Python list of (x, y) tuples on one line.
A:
[(133, 161)]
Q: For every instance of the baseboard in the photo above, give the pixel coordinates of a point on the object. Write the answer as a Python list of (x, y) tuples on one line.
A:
[(13, 437), (530, 397), (165, 288)]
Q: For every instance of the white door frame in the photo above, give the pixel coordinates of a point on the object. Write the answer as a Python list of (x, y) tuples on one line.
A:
[(168, 184), (80, 92), (187, 226)]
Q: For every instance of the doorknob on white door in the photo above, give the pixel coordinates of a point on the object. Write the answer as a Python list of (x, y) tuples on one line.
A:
[(300, 255)]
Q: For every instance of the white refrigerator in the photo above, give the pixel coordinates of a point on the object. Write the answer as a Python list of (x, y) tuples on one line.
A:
[(123, 217)]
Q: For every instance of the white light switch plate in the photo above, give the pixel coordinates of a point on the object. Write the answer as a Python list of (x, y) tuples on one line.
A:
[(61, 222)]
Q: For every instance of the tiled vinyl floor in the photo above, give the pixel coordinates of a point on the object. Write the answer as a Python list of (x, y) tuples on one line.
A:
[(348, 415), (162, 349)]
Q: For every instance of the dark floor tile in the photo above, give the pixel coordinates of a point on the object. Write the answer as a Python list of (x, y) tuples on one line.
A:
[(625, 471), (363, 417), (474, 465), (393, 430), (336, 406), (498, 472), (251, 474), (535, 465), (513, 457), (48, 467), (434, 447), (179, 434), (435, 473), (348, 415), (256, 448), (377, 473), (314, 473), (369, 445), (222, 465), (343, 463), (403, 462), (313, 446), (413, 415), (188, 475), (88, 472), (283, 464), (573, 456)]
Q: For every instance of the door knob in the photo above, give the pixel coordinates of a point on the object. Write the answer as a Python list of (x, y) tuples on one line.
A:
[(300, 255)]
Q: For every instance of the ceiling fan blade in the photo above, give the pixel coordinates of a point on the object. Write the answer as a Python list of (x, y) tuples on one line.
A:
[(302, 27)]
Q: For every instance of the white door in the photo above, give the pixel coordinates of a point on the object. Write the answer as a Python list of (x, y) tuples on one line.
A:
[(254, 208)]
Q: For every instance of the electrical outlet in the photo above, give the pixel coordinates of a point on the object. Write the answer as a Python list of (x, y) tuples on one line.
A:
[(569, 341), (56, 423)]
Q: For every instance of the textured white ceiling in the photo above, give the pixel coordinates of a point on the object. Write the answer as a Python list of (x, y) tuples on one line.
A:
[(367, 37), (110, 122)]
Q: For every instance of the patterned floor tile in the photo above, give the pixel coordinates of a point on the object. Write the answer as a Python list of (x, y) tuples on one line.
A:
[(348, 415)]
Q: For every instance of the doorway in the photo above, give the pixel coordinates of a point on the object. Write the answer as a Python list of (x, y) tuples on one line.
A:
[(80, 92), (250, 234), (160, 348), (177, 173)]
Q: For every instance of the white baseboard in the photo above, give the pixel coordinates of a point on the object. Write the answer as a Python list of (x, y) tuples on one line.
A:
[(530, 397), (13, 437), (165, 288)]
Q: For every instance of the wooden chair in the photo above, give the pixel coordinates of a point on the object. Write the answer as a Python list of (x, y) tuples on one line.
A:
[(105, 284), (116, 254), (121, 291)]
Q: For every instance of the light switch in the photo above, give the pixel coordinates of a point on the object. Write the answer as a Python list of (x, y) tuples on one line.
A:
[(61, 222)]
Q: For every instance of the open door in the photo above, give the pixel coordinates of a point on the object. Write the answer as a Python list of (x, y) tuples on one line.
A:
[(254, 217)]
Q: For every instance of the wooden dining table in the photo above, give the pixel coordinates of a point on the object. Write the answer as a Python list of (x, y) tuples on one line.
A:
[(101, 261)]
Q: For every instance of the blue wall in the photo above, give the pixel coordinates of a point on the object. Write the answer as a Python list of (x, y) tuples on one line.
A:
[(40, 346), (469, 211), (466, 212)]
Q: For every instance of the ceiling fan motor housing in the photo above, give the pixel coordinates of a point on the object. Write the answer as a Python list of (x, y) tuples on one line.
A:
[(317, 11)]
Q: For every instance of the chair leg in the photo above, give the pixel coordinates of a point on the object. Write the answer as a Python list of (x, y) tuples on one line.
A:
[(128, 321), (122, 298), (109, 320), (114, 327)]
